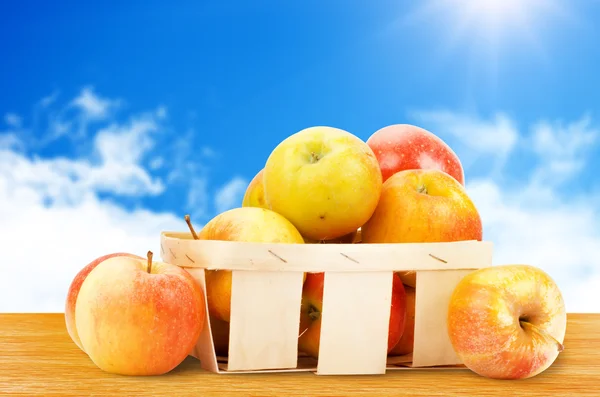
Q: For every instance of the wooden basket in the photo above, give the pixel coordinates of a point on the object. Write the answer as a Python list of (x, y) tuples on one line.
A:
[(266, 295)]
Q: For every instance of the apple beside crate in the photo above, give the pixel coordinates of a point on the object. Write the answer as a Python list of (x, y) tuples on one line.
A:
[(267, 290)]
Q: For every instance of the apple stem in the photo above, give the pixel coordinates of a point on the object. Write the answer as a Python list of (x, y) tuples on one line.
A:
[(150, 255), (189, 222), (543, 333), (422, 189)]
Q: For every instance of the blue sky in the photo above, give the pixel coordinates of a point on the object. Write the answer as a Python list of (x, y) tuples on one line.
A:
[(133, 114)]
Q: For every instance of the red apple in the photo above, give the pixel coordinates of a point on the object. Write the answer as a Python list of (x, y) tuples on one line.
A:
[(139, 317), (406, 343), (73, 292), (507, 321), (401, 147), (312, 304)]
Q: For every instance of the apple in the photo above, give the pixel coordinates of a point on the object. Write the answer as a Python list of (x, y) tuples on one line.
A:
[(312, 306), (220, 336), (255, 192), (73, 292), (248, 224), (139, 317), (419, 206), (409, 278), (507, 321), (325, 180), (401, 147), (406, 342), (345, 239)]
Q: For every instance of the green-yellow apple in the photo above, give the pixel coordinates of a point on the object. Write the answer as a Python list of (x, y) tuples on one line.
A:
[(248, 224), (312, 306), (423, 206), (325, 180), (73, 292), (255, 192), (401, 147), (507, 321), (406, 342), (139, 317)]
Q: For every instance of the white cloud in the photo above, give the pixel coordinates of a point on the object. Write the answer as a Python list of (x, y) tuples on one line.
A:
[(53, 220), (536, 224), (231, 194), (497, 135), (13, 120), (562, 148), (44, 247), (93, 106)]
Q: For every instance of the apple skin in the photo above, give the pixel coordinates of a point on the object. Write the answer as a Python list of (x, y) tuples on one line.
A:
[(73, 292), (132, 322), (406, 343), (325, 180), (312, 305), (248, 224), (507, 321), (255, 192), (400, 147), (419, 206)]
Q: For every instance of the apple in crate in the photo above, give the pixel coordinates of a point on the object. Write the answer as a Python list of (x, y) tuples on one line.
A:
[(247, 224), (418, 206), (139, 317), (312, 306), (255, 192), (325, 180), (73, 292), (507, 321), (406, 343), (401, 147)]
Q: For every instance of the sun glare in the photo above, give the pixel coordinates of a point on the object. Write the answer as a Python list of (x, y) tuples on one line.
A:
[(489, 24)]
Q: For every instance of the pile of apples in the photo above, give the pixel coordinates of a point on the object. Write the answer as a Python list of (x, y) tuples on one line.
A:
[(324, 185)]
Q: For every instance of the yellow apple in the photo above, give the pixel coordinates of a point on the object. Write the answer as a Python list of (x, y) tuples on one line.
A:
[(248, 224), (255, 192), (325, 180)]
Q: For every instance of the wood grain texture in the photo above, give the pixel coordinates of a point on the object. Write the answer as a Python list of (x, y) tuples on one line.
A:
[(37, 357)]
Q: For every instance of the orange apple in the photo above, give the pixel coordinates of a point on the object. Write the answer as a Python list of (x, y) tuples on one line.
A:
[(507, 322), (255, 192), (406, 342), (139, 317), (402, 147), (325, 180), (248, 224), (423, 206), (73, 292), (312, 305)]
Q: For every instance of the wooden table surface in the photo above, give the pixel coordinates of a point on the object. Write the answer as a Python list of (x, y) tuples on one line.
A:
[(37, 357)]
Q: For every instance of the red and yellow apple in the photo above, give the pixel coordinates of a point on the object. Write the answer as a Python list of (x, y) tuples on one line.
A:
[(73, 292), (139, 317), (312, 306), (406, 342), (255, 192), (401, 147), (325, 180), (248, 224), (507, 321), (418, 206)]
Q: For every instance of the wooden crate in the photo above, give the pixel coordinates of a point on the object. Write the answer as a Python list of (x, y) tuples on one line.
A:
[(266, 295)]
